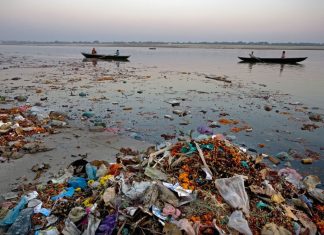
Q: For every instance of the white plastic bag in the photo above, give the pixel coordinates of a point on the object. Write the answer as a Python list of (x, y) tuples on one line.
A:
[(233, 191), (237, 222)]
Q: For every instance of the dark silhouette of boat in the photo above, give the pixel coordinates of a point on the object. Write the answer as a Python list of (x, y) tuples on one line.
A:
[(272, 60), (105, 57)]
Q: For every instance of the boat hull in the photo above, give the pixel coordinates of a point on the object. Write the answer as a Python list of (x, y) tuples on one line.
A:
[(273, 60), (105, 57)]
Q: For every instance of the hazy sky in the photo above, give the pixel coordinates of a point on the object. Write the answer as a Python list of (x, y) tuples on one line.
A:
[(163, 20)]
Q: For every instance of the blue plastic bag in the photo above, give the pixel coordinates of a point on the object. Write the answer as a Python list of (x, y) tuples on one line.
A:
[(77, 182), (22, 224), (91, 171), (68, 192), (13, 213)]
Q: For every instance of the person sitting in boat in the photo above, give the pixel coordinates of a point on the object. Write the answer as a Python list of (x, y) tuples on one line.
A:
[(117, 53), (94, 51), (283, 55), (252, 55)]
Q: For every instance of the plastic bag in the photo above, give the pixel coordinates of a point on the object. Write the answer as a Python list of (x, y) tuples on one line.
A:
[(136, 190), (233, 191), (155, 173), (68, 192), (70, 228), (237, 222), (107, 225), (205, 130), (91, 171), (22, 224), (13, 213), (102, 171), (273, 229), (77, 182), (93, 224), (291, 175)]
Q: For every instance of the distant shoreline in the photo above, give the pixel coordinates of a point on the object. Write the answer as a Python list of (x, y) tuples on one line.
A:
[(179, 45)]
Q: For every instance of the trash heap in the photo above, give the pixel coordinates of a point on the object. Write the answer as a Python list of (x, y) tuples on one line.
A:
[(18, 124), (193, 187)]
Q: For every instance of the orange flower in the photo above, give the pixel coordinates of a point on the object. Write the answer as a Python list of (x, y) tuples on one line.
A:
[(114, 169), (185, 168), (195, 218)]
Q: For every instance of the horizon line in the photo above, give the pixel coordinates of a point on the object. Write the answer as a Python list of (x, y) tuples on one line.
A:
[(164, 42)]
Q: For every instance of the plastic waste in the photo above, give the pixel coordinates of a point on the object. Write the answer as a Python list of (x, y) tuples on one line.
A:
[(22, 225), (205, 130), (273, 229), (12, 215), (291, 175), (44, 211), (136, 190), (284, 156), (70, 228), (102, 171), (245, 164), (311, 181), (306, 222), (233, 191), (91, 171), (317, 194), (32, 195), (262, 205), (237, 222), (169, 210), (58, 123), (166, 195), (269, 190), (93, 224), (307, 201), (62, 178), (178, 189), (109, 195), (49, 231), (107, 225), (68, 192), (77, 182), (34, 202), (51, 220), (154, 173), (158, 213), (191, 148), (278, 198), (76, 214), (39, 112), (185, 225)]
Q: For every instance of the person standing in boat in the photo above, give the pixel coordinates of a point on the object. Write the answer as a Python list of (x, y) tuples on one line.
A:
[(93, 52), (117, 53), (283, 55)]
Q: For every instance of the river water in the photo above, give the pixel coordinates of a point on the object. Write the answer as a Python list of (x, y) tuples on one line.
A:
[(137, 101)]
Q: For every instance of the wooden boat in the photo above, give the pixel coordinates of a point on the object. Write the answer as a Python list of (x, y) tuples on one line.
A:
[(272, 60), (106, 57)]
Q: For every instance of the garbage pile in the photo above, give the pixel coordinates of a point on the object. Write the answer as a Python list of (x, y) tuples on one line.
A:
[(194, 187), (18, 124)]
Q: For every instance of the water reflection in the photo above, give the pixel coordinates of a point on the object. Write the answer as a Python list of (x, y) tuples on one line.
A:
[(94, 61), (281, 67)]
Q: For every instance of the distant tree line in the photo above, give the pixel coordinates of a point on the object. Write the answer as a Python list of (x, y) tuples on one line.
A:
[(157, 42)]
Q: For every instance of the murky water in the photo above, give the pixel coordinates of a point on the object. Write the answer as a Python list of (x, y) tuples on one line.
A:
[(137, 100)]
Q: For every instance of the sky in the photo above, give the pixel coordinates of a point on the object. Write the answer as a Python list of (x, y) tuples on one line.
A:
[(163, 20)]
